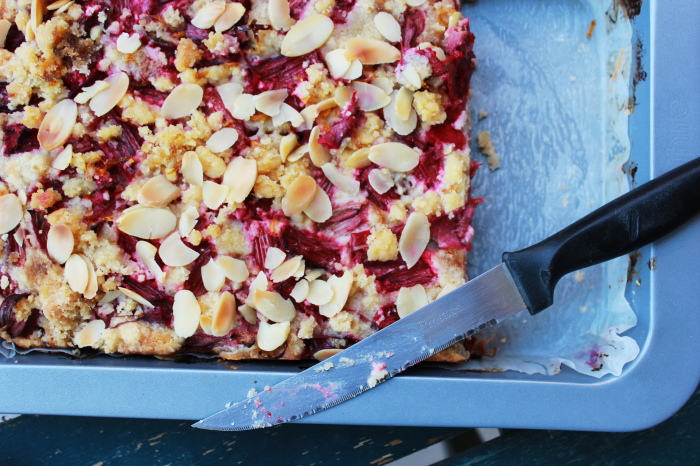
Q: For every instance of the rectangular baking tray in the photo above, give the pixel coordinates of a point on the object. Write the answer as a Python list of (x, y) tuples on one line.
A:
[(663, 132)]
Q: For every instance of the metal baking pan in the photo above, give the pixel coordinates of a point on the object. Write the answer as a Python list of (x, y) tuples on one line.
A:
[(663, 133)]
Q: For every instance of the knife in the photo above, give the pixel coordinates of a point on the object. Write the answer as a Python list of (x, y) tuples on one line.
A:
[(524, 280)]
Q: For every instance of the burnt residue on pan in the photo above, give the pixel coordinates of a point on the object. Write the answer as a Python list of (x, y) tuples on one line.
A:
[(631, 7)]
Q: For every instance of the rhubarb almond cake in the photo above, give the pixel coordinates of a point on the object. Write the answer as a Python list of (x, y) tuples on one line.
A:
[(251, 180)]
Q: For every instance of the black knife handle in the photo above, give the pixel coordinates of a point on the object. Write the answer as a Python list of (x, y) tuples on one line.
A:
[(629, 222)]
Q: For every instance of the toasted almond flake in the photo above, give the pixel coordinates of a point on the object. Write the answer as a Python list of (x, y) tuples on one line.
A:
[(4, 28), (309, 114), (371, 51), (273, 306), (91, 288), (410, 300), (36, 13), (186, 313), (91, 91), (341, 290), (229, 92), (222, 140), (259, 283), (454, 20), (234, 269), (29, 31), (300, 291), (57, 125), (60, 243), (231, 15), (175, 253), (369, 97), (205, 323), (287, 269), (57, 4), (107, 99), (270, 102), (320, 208), (438, 51), (324, 354), (300, 270), (182, 101), (128, 43), (307, 35), (11, 212), (213, 276), (272, 336), (274, 258), (411, 75), (320, 292), (19, 237), (64, 158), (298, 153), (414, 238), (244, 107), (110, 296), (343, 96), (288, 143), (188, 220), (157, 192), (402, 127), (318, 152), (280, 19), (355, 70), (394, 156), (380, 181), (415, 3), (288, 114), (240, 177), (90, 334), (326, 104), (76, 273), (313, 274), (404, 103), (248, 314), (147, 253), (224, 315), (359, 158), (384, 83), (207, 15), (64, 8), (147, 222), (192, 169), (337, 64), (343, 182), (214, 194), (388, 26), (299, 195), (447, 289)]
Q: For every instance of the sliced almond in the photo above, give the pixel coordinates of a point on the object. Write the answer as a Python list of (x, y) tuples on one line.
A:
[(288, 143), (286, 270), (288, 114), (234, 269), (64, 8), (359, 158), (343, 96), (90, 334), (229, 92), (147, 222), (313, 274), (320, 292), (182, 101), (447, 289), (384, 83), (91, 288), (244, 107), (280, 19), (192, 169), (259, 283), (36, 14), (174, 253), (337, 64), (404, 103), (207, 15), (147, 253), (300, 270), (57, 125), (380, 181), (109, 297), (224, 315), (414, 238), (57, 4), (91, 91), (394, 156), (231, 15), (307, 35), (272, 336), (76, 273), (223, 139), (369, 97), (213, 276), (401, 126), (64, 158), (320, 208), (240, 177), (299, 195), (11, 212), (186, 313), (415, 3), (438, 51), (157, 192), (4, 29), (318, 152), (412, 77), (355, 70), (410, 300), (214, 194), (188, 220), (273, 306), (371, 51), (341, 291), (248, 314), (343, 182), (107, 99), (388, 26), (128, 43), (324, 354), (205, 323), (270, 102), (60, 243), (274, 258), (136, 297), (298, 153), (300, 291)]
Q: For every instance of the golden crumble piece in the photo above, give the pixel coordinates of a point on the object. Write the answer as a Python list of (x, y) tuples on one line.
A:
[(108, 132), (186, 55), (488, 149), (45, 199), (382, 245), (32, 117), (429, 107)]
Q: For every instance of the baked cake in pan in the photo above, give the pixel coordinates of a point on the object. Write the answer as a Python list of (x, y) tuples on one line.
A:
[(263, 179)]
